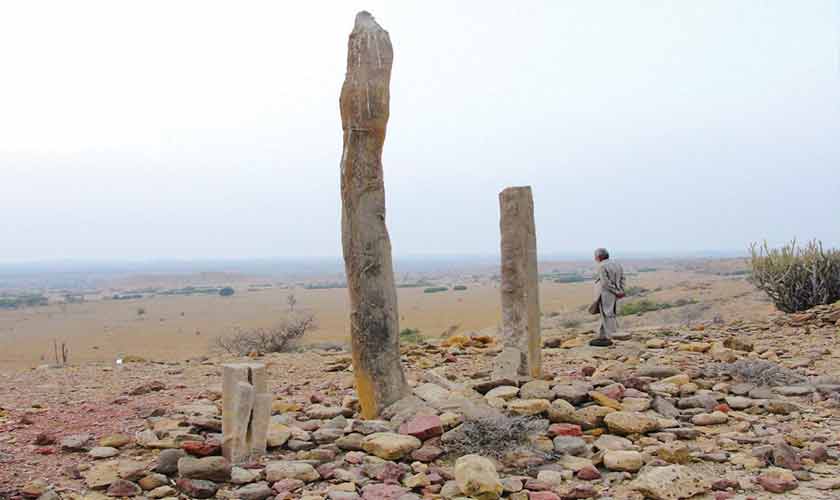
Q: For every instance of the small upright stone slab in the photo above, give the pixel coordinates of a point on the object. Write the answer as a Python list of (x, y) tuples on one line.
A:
[(246, 411), (520, 287)]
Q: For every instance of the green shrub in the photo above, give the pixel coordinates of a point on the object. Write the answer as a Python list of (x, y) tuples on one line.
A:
[(26, 300), (435, 289), (410, 336), (632, 291), (647, 269), (226, 291), (796, 278), (459, 288), (642, 306), (419, 284), (569, 278)]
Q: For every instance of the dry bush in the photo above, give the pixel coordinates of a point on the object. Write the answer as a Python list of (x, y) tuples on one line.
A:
[(494, 436), (758, 372), (279, 338), (797, 278)]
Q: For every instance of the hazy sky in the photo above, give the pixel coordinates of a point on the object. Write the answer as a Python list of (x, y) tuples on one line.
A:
[(211, 129)]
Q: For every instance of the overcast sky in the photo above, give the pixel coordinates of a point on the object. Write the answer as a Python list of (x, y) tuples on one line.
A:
[(194, 129)]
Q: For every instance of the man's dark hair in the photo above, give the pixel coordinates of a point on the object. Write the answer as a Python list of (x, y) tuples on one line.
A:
[(602, 253)]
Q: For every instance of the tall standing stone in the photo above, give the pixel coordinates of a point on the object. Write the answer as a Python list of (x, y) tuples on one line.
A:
[(374, 322), (520, 287)]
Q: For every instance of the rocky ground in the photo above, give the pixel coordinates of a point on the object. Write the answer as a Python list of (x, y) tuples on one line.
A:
[(738, 410)]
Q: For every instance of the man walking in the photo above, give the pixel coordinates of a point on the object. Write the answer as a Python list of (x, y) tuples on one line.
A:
[(609, 287)]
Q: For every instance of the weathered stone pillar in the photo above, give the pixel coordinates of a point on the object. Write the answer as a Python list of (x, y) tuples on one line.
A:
[(246, 411), (520, 287), (374, 322)]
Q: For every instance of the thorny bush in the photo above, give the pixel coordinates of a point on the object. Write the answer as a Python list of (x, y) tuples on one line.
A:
[(797, 278)]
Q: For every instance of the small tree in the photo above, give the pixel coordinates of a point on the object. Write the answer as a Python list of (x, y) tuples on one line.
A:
[(796, 278), (291, 300), (140, 312)]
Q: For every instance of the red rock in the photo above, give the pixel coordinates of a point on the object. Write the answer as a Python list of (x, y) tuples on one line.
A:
[(202, 448), (588, 473), (724, 495), (724, 484), (197, 488), (587, 371), (536, 485), (383, 492), (123, 488), (427, 453), (580, 491), (817, 453), (564, 430), (287, 485), (46, 450), (423, 427), (777, 483), (543, 495), (614, 391), (388, 472), (723, 407), (309, 425)]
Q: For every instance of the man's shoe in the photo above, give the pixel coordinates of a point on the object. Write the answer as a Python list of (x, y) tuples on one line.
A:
[(600, 342)]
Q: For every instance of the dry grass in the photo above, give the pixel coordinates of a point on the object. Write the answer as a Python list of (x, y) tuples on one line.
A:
[(758, 372), (494, 436)]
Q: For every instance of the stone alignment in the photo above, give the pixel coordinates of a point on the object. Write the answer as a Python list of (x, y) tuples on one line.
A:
[(374, 321)]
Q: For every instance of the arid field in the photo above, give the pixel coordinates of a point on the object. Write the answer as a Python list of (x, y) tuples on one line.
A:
[(174, 327)]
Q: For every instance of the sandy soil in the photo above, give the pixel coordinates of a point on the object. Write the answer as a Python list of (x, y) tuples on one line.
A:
[(179, 327)]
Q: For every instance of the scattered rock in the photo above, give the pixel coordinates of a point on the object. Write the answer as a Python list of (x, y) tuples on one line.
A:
[(389, 445), (477, 477), (197, 488), (672, 482), (276, 471), (210, 468), (629, 461), (625, 422), (777, 480), (76, 442), (123, 488)]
